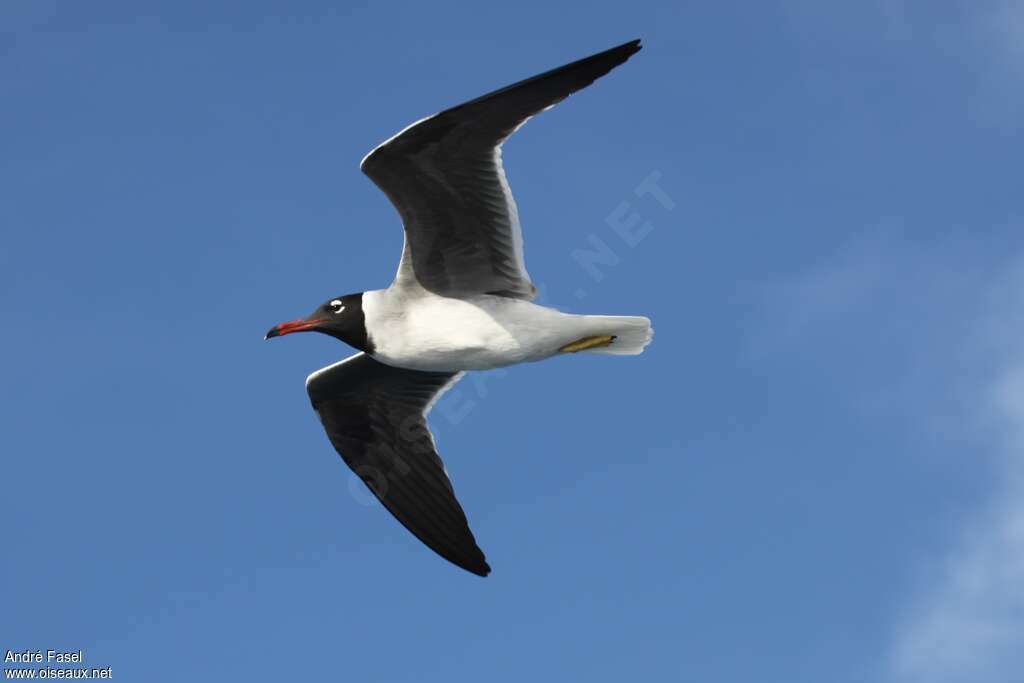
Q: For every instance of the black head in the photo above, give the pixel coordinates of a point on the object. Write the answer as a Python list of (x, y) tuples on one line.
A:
[(341, 317)]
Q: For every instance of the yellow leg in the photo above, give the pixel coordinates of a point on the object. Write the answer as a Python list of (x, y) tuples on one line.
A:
[(588, 343)]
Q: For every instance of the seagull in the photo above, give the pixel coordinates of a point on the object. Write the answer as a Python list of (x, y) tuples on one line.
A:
[(461, 300)]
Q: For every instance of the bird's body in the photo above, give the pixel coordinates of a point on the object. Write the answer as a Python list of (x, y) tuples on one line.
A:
[(420, 330), (461, 300)]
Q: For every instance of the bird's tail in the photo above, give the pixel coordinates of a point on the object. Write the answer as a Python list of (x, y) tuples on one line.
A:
[(631, 333)]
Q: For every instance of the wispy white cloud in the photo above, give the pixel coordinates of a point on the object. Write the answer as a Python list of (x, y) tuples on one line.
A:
[(967, 623), (946, 316)]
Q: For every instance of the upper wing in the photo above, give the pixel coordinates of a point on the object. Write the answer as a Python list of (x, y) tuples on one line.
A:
[(444, 175), (375, 416)]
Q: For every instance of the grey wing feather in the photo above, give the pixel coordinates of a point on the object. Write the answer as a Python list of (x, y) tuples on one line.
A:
[(445, 177)]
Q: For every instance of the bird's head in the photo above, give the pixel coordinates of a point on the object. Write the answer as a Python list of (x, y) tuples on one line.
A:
[(341, 317)]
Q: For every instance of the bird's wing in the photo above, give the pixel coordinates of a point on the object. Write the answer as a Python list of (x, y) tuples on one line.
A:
[(375, 417), (444, 175)]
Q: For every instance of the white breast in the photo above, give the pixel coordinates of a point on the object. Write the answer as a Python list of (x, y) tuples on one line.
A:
[(423, 331)]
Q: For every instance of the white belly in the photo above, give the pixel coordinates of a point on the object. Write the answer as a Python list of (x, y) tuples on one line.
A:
[(423, 331)]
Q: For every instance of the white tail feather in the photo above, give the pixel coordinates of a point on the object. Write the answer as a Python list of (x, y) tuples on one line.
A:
[(632, 333)]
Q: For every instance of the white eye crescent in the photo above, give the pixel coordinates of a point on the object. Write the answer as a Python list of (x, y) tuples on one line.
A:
[(337, 306)]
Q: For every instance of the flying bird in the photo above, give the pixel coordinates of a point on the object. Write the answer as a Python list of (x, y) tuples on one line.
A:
[(461, 300)]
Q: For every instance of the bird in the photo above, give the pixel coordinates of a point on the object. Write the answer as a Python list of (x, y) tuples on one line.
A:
[(460, 301)]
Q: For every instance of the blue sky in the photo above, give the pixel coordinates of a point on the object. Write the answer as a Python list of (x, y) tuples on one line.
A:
[(814, 473)]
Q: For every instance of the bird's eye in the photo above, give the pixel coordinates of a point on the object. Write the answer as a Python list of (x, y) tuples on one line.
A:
[(337, 306)]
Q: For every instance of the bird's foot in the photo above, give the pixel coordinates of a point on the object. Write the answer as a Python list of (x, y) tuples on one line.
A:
[(588, 343)]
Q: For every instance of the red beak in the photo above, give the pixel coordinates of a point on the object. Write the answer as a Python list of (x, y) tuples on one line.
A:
[(302, 325)]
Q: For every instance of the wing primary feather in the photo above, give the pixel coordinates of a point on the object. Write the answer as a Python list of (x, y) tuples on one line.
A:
[(444, 176), (375, 417)]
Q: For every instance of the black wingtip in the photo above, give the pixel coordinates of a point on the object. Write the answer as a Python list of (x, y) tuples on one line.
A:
[(477, 565), (629, 48), (615, 55)]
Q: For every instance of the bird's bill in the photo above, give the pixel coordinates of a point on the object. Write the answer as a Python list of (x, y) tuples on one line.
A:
[(301, 325)]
